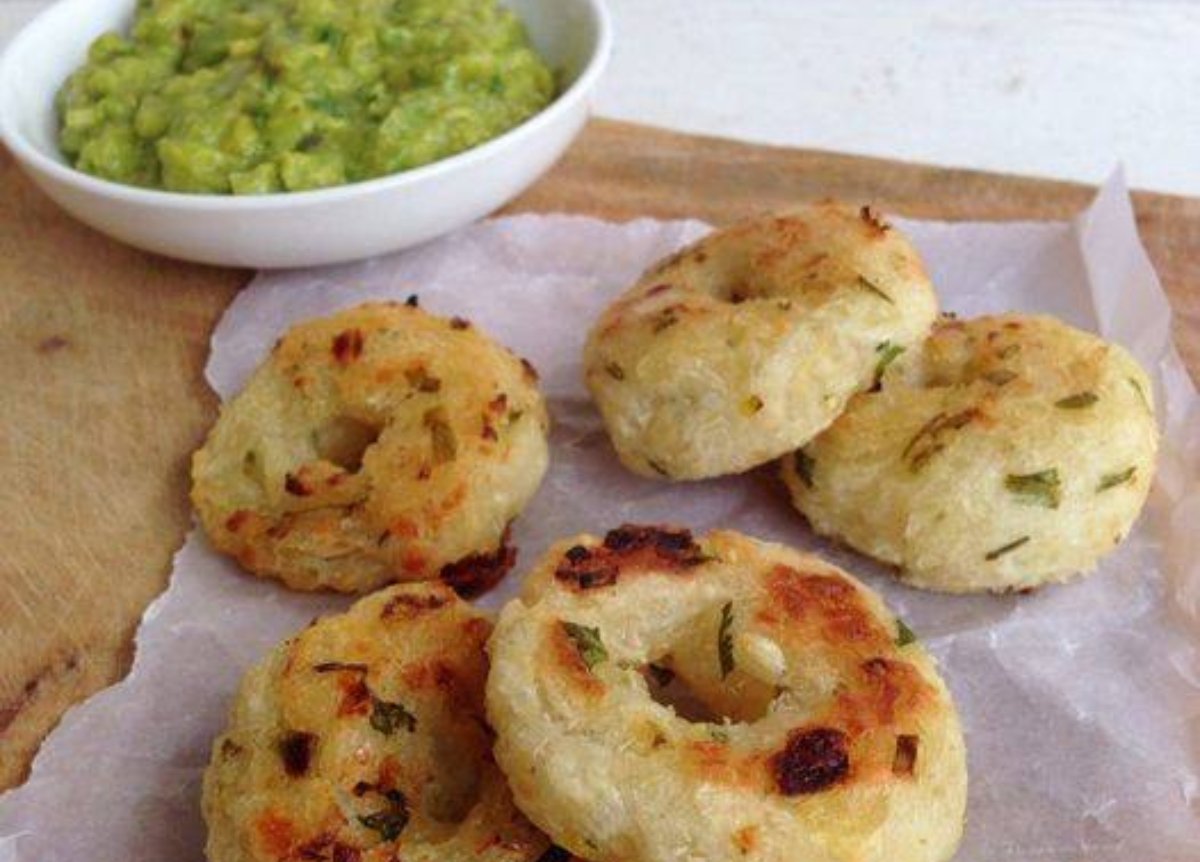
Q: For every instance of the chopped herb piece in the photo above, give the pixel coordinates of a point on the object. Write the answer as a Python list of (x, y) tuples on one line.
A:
[(725, 640), (389, 822), (1004, 549), (587, 643), (904, 761), (658, 468), (752, 405), (804, 467), (718, 733), (441, 436), (1037, 489), (1141, 393), (1112, 480), (863, 281), (930, 439), (1000, 377), (1077, 401), (615, 371), (887, 355), (388, 717), (904, 635)]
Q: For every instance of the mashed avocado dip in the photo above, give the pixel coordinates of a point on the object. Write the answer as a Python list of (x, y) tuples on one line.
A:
[(256, 96)]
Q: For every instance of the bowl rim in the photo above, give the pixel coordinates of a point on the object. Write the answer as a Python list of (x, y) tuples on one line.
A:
[(25, 151)]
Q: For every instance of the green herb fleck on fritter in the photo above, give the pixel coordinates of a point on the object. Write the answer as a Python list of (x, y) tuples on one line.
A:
[(887, 355), (865, 282), (1077, 401), (725, 640), (387, 717), (1004, 549), (904, 635), (587, 643), (1137, 387), (1112, 480), (1043, 488), (389, 822)]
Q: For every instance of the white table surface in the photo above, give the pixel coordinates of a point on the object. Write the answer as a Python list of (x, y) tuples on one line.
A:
[(1055, 88)]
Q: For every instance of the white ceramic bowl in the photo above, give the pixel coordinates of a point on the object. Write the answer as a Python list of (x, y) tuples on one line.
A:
[(297, 228)]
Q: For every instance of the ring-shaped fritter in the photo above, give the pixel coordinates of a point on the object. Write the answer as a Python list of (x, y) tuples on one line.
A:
[(363, 739), (1004, 453), (379, 444), (824, 731), (745, 345)]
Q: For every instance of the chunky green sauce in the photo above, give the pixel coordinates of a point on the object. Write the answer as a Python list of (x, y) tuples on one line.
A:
[(256, 96)]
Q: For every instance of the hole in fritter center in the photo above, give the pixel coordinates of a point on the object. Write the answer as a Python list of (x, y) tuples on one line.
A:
[(707, 701), (343, 441)]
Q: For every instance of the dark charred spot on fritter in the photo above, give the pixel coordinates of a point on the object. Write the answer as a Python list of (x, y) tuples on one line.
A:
[(406, 606), (531, 373), (238, 520), (348, 346), (676, 544), (230, 749), (657, 289), (587, 568), (413, 301), (296, 486), (498, 406), (326, 848), (488, 430), (459, 323), (629, 547), (874, 221), (475, 574), (296, 750), (356, 696), (813, 760)]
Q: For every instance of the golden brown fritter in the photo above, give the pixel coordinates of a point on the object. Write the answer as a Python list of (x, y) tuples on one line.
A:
[(363, 739), (813, 726), (380, 444), (748, 343), (1004, 453)]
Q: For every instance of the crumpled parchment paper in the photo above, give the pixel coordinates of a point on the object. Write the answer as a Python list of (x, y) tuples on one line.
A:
[(1081, 702)]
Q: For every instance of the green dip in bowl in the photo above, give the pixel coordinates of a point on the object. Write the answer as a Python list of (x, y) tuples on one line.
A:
[(259, 96)]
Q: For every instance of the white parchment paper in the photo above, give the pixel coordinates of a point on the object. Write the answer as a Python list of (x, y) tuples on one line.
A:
[(1081, 703)]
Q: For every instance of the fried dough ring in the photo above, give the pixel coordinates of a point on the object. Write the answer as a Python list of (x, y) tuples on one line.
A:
[(1005, 453), (843, 742), (376, 445), (363, 738), (748, 343)]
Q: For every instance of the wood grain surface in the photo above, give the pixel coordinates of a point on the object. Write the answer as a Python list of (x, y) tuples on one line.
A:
[(102, 349)]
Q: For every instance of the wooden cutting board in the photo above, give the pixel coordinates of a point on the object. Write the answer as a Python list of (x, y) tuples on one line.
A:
[(102, 398)]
